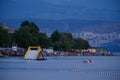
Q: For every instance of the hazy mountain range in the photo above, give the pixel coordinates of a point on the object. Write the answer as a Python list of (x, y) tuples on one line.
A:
[(69, 25)]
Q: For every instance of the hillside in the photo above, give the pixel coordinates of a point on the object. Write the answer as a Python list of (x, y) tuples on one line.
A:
[(69, 25)]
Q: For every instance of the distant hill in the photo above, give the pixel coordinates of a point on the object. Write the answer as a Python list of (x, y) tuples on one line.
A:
[(69, 25)]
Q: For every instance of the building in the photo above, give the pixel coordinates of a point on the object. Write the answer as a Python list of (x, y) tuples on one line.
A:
[(97, 50)]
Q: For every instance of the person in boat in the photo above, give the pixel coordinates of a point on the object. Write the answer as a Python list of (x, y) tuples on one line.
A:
[(88, 61)]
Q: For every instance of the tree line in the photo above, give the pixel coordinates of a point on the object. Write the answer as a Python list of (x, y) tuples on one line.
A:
[(29, 35)]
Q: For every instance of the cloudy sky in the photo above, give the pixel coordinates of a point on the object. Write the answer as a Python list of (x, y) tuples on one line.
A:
[(108, 10)]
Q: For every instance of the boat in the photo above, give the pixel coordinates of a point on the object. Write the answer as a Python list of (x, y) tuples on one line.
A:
[(88, 61)]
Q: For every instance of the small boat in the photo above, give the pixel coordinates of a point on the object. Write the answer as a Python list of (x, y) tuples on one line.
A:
[(88, 61)]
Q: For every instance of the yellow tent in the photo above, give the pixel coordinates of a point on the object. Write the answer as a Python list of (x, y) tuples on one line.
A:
[(34, 52)]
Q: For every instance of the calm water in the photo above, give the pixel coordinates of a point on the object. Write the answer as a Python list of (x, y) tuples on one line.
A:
[(60, 68)]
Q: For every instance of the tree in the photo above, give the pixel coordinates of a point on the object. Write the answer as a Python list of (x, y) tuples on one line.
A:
[(61, 40), (11, 39), (66, 40), (44, 41), (79, 43), (4, 37), (27, 35), (55, 37)]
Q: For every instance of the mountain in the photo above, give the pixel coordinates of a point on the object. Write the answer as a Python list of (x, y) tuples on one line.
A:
[(68, 25)]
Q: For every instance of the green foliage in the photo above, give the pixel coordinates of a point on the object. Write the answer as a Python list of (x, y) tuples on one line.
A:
[(61, 40), (4, 37), (55, 36), (27, 35), (11, 39), (44, 41), (79, 43), (66, 39)]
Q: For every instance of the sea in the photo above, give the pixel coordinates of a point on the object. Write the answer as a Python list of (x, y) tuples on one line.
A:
[(61, 68)]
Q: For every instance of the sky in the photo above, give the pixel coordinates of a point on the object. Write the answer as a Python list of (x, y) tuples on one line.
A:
[(107, 10)]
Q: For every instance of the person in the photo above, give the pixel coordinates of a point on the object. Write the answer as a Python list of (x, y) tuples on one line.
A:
[(90, 61)]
